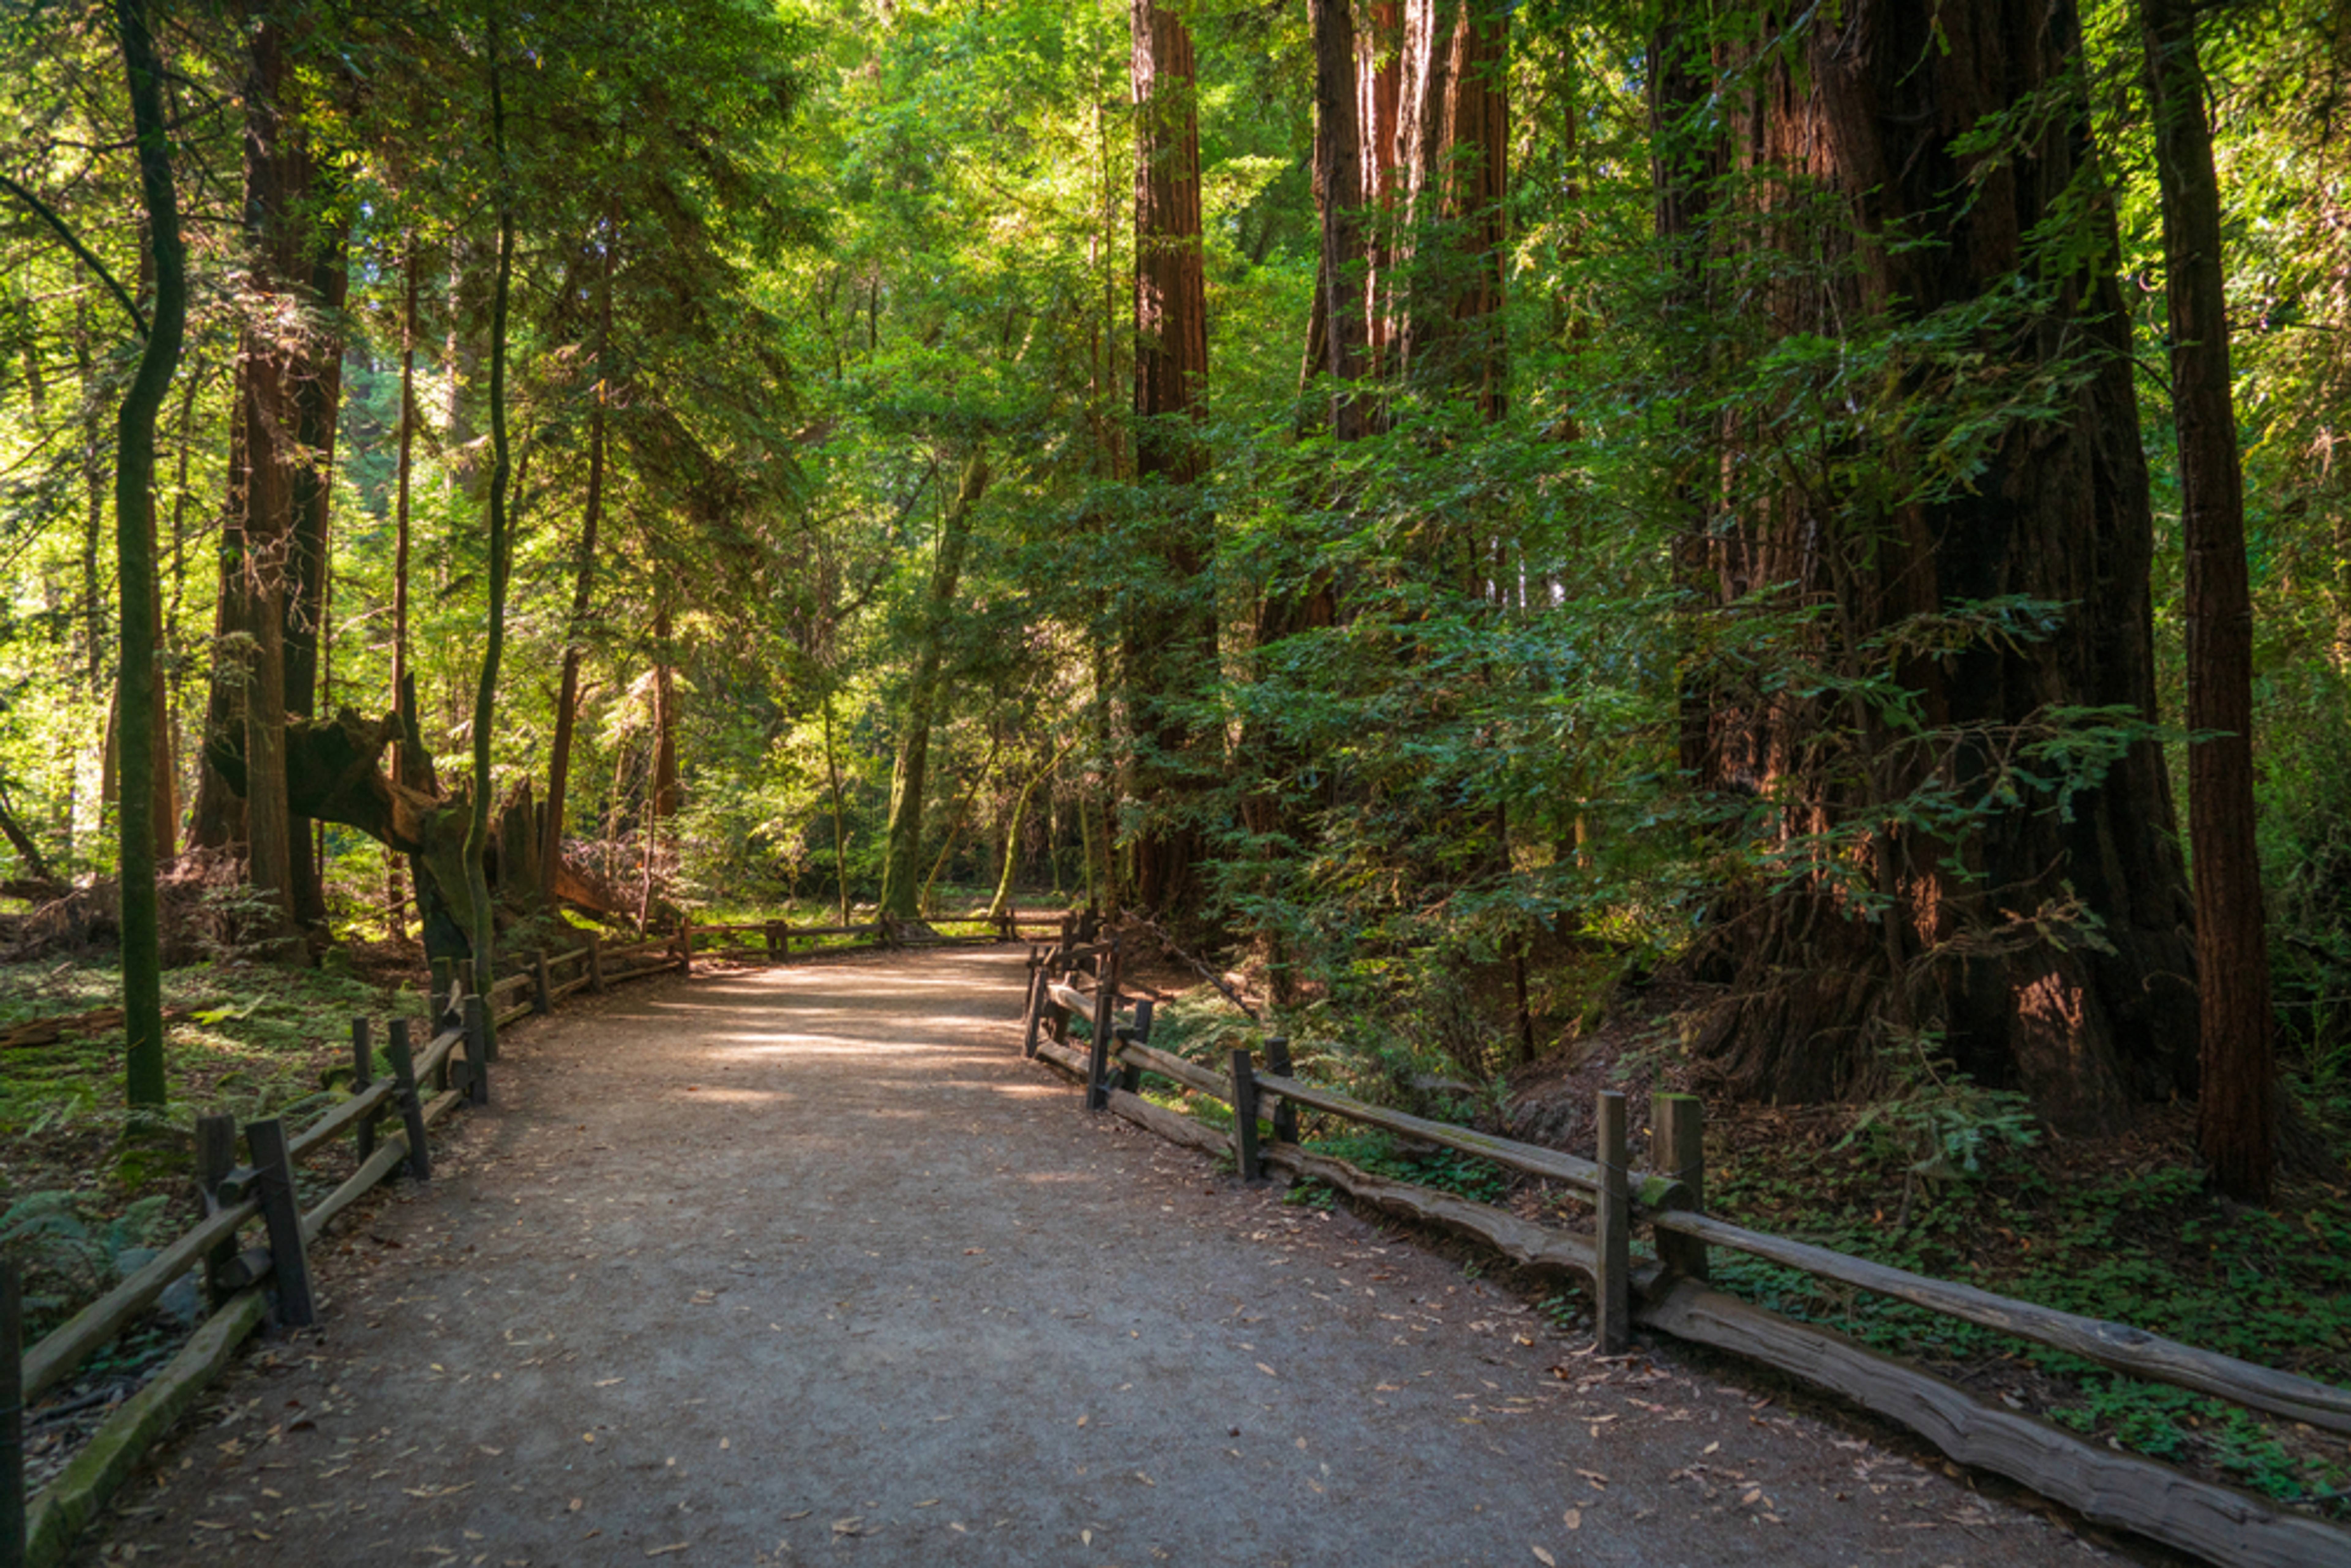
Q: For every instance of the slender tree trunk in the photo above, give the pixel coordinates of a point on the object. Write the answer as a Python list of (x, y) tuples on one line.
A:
[(395, 882), (2237, 1096), (1339, 182), (134, 511), (567, 699), (903, 848), (477, 834), (1003, 899), (955, 825), (317, 401), (840, 822), (1686, 159), (664, 786)]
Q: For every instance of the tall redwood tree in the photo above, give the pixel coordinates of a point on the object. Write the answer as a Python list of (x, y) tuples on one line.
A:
[(1170, 632), (2237, 1096), (2042, 948)]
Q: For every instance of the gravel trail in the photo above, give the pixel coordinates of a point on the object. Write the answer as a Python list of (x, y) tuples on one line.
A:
[(806, 1265)]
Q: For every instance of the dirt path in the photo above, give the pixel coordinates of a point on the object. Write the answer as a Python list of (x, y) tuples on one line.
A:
[(808, 1265)]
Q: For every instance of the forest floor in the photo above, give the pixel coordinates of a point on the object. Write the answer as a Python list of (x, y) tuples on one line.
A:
[(808, 1262)]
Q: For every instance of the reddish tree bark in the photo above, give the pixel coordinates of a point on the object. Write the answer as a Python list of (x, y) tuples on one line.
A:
[(2237, 1096), (1339, 330), (2058, 512), (1170, 633), (1455, 141)]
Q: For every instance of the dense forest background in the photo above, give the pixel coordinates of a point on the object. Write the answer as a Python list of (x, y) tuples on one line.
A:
[(1456, 510)]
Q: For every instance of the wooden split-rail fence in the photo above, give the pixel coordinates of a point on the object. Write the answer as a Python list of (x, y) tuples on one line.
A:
[(1667, 1289), (394, 1101)]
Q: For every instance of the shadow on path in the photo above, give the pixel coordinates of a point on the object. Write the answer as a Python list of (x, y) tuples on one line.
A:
[(807, 1265)]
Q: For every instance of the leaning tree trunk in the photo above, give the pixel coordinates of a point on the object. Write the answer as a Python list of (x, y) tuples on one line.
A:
[(566, 696), (1170, 632), (134, 515), (2237, 1096), (901, 870), (485, 691), (2057, 956)]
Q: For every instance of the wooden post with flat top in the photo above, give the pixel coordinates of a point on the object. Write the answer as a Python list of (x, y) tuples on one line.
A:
[(595, 962), (542, 989), (1613, 1247), (409, 1104), (363, 1074), (1130, 1077), (1677, 1149), (1245, 1153), (1285, 1114), (215, 1158), (281, 1216), (477, 1051)]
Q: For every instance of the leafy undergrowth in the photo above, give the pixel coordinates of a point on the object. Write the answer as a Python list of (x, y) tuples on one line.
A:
[(82, 1195), (2118, 1228)]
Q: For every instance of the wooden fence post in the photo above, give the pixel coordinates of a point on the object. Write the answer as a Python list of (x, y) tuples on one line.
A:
[(595, 962), (1245, 1118), (442, 971), (477, 1051), (1035, 1011), (1285, 1114), (215, 1158), (686, 944), (281, 1216), (404, 1096), (12, 1418), (363, 1074), (1098, 1041), (542, 989), (1677, 1149), (1612, 1248), (1130, 1077)]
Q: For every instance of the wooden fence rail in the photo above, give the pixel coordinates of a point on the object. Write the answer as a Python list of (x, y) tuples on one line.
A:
[(1668, 1292), (416, 1090)]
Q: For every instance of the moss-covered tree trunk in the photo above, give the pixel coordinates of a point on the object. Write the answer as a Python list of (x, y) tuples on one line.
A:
[(134, 515)]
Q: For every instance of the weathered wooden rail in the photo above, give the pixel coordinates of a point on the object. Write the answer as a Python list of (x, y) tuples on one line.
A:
[(770, 941), (1668, 1291), (389, 1113)]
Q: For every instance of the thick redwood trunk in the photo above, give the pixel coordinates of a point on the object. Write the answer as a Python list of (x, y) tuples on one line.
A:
[(2056, 510), (2237, 1103), (1171, 632)]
